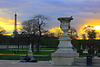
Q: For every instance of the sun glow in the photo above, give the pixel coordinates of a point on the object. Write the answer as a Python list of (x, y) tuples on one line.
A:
[(90, 22), (7, 34), (54, 30), (97, 28), (85, 25), (8, 25)]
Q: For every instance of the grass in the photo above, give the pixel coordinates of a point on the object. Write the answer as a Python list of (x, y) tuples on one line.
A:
[(11, 51), (86, 54), (8, 54), (43, 55), (18, 57)]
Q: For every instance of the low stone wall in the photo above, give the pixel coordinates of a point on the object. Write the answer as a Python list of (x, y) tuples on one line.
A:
[(3, 46), (82, 61), (13, 46)]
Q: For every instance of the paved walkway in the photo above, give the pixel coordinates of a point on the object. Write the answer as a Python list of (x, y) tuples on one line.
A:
[(16, 63)]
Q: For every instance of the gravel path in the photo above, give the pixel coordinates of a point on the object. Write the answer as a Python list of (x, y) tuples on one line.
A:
[(16, 63)]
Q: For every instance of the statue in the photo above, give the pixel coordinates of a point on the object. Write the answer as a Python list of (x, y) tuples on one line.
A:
[(64, 55)]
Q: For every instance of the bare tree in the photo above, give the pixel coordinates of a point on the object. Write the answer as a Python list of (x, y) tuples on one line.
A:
[(29, 26), (41, 22), (35, 26)]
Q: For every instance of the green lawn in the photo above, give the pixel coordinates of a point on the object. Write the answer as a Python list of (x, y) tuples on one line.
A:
[(86, 54), (8, 54), (11, 51)]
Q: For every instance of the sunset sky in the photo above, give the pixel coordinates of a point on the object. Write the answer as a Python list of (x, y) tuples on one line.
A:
[(84, 12)]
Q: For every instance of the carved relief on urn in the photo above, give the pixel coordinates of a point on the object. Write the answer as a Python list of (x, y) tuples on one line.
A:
[(65, 23)]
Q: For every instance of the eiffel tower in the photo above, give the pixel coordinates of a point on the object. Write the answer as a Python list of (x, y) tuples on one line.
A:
[(15, 33)]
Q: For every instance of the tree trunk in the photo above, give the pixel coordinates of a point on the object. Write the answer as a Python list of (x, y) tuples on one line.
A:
[(39, 41), (22, 46), (32, 48), (18, 49)]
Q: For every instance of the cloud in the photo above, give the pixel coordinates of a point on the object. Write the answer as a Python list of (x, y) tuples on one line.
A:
[(81, 10), (79, 5), (12, 3), (8, 24)]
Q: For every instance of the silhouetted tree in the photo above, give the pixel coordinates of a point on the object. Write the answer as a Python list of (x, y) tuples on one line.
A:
[(72, 33), (90, 32), (2, 30), (41, 22), (84, 36), (35, 26), (91, 35), (29, 26), (88, 28), (59, 33)]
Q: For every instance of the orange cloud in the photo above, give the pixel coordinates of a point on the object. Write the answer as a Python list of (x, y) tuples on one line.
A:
[(8, 24), (91, 22), (55, 30)]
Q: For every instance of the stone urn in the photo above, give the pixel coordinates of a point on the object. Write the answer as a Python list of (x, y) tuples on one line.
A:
[(64, 55)]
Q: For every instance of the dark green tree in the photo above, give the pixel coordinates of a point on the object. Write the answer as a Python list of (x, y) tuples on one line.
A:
[(2, 31), (72, 33), (84, 36), (91, 34)]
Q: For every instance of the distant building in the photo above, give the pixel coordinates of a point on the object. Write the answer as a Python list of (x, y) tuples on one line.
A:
[(15, 29)]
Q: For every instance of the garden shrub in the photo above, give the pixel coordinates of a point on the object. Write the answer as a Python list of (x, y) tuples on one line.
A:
[(80, 51), (90, 51)]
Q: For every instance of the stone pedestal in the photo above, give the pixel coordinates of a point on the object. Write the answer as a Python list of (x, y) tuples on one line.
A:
[(30, 50), (30, 53), (65, 54)]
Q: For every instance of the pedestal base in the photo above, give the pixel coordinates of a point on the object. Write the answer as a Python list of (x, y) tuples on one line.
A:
[(63, 59)]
